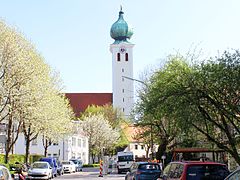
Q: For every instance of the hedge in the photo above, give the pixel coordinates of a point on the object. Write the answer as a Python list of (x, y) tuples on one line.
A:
[(91, 165)]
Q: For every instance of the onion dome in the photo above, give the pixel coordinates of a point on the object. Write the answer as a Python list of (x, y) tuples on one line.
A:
[(120, 31)]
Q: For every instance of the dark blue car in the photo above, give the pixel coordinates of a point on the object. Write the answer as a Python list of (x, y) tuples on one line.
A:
[(143, 171), (53, 163)]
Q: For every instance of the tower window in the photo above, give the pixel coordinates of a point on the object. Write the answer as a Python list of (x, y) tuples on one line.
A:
[(118, 56), (123, 109), (126, 57), (123, 90), (123, 79), (123, 99), (122, 70)]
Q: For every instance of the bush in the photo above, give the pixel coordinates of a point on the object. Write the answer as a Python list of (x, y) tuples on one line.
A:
[(34, 158), (91, 165)]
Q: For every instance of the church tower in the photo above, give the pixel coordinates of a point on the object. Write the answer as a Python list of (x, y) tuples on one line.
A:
[(122, 66)]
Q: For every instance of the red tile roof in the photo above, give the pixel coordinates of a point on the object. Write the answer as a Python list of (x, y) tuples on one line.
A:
[(80, 101)]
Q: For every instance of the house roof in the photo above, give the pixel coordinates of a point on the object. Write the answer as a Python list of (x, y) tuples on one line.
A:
[(80, 101), (131, 132)]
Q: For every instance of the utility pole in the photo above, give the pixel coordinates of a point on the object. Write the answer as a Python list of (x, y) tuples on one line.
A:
[(151, 136)]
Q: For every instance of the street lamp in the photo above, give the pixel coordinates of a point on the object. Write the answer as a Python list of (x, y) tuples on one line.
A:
[(151, 138)]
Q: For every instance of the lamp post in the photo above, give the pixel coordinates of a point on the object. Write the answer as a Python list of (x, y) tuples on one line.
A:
[(151, 137)]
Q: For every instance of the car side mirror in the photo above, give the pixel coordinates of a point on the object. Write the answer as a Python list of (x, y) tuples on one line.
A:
[(50, 167)]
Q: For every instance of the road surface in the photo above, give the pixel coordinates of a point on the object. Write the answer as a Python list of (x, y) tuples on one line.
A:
[(90, 174)]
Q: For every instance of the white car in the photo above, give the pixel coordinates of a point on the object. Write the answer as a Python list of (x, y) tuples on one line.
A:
[(68, 166), (4, 173), (40, 170)]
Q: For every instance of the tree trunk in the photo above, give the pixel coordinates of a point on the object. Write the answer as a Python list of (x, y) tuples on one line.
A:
[(161, 149), (45, 147), (46, 143), (93, 158), (9, 139), (147, 151), (27, 147)]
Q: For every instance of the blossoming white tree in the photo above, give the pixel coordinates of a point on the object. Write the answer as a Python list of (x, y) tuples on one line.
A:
[(100, 133), (30, 98)]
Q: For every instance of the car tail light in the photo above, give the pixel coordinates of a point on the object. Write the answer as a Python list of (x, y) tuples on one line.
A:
[(138, 172)]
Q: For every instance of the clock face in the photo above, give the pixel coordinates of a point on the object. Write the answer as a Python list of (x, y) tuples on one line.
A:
[(122, 50)]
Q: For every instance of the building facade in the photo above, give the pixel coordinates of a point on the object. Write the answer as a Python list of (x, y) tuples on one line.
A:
[(75, 146)]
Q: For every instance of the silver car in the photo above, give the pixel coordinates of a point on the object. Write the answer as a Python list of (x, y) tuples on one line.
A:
[(40, 170), (4, 173)]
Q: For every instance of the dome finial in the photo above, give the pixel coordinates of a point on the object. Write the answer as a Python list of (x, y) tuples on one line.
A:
[(120, 31)]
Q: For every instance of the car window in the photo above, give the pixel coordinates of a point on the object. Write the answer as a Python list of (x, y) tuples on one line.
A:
[(65, 162), (172, 170), (178, 171), (206, 172), (235, 176), (149, 167), (40, 165), (6, 174), (166, 170)]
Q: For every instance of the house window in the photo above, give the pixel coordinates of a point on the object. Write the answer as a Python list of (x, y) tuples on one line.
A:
[(55, 155), (126, 57), (123, 90), (79, 142), (73, 141), (34, 142), (84, 143), (49, 155), (118, 56), (142, 146), (136, 146), (55, 143)]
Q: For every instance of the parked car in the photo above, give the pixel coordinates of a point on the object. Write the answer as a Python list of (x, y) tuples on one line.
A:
[(143, 170), (53, 163), (195, 170), (78, 163), (4, 173), (68, 166), (234, 175), (40, 170)]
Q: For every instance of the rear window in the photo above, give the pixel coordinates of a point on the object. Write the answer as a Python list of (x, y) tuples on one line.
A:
[(207, 172), (149, 167), (125, 158), (67, 162), (40, 165)]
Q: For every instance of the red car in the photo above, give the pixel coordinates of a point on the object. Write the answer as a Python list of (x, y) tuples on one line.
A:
[(195, 170)]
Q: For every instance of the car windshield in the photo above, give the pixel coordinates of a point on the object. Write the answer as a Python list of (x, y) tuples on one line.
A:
[(75, 161), (67, 162), (207, 172), (125, 158), (40, 165), (149, 167)]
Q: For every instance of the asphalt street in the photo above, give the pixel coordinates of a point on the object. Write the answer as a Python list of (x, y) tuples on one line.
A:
[(89, 174)]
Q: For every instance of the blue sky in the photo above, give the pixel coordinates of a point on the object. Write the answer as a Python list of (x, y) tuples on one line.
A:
[(73, 35)]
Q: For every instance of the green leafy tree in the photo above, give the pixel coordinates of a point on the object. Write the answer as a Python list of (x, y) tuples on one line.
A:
[(200, 98)]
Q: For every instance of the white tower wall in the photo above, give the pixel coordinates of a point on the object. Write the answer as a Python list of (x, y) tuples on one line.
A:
[(123, 89)]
